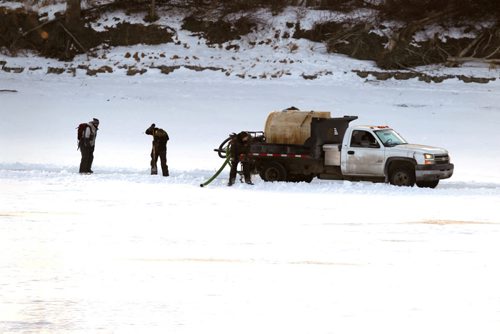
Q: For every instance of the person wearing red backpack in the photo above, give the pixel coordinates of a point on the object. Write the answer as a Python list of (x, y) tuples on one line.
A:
[(87, 133), (159, 149)]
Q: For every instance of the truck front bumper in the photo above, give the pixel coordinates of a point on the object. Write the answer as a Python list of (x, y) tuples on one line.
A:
[(433, 172)]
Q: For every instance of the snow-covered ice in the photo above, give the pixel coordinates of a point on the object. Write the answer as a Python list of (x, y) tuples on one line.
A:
[(121, 251)]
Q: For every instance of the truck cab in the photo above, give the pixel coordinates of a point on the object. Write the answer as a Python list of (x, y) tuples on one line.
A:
[(380, 153)]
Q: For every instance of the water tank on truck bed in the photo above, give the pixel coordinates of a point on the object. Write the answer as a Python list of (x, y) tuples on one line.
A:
[(293, 149), (291, 127)]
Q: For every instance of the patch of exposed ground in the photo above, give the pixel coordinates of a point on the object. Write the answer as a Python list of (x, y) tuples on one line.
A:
[(399, 75), (220, 31), (24, 30), (401, 48)]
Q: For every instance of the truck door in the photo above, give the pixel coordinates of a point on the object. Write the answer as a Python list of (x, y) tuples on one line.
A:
[(364, 155)]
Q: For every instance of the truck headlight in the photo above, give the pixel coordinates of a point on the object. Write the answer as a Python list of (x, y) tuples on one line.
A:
[(429, 159)]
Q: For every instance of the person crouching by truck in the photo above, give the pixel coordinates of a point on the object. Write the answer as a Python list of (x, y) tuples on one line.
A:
[(159, 149), (238, 150)]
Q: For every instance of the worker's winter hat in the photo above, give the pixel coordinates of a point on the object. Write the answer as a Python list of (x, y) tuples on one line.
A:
[(243, 136), (95, 121)]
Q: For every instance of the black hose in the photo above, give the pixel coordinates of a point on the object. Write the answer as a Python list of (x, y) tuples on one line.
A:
[(221, 151), (206, 183)]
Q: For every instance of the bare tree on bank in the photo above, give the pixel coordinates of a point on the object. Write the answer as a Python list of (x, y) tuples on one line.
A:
[(152, 15), (73, 14)]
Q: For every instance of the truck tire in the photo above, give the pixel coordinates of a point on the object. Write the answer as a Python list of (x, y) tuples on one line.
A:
[(299, 178), (307, 178), (273, 171), (402, 176), (428, 184)]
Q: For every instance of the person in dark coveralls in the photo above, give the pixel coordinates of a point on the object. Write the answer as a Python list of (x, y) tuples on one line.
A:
[(86, 145), (239, 148), (160, 138)]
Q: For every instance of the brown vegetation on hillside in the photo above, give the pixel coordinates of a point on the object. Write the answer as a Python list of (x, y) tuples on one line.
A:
[(388, 37)]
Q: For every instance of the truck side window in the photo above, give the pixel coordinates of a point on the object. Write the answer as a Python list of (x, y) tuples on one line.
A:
[(356, 138), (363, 139)]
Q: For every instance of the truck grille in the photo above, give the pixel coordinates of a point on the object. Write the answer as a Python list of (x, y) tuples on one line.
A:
[(442, 159)]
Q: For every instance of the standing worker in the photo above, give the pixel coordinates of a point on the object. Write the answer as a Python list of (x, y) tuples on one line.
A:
[(238, 150), (87, 133), (160, 138)]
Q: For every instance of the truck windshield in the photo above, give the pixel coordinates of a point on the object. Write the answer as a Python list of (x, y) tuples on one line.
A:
[(390, 137)]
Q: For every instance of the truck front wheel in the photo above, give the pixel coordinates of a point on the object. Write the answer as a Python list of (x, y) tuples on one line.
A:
[(273, 171), (402, 176)]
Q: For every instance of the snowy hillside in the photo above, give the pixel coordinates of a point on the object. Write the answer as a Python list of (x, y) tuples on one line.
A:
[(122, 251), (269, 51)]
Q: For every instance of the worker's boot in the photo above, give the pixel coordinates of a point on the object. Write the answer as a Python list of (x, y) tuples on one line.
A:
[(165, 172), (231, 181), (154, 170), (248, 181)]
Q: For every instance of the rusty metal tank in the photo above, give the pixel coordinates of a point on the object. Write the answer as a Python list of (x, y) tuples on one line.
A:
[(290, 126)]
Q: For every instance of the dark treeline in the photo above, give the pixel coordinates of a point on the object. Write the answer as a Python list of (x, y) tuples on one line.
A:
[(408, 10), (454, 11), (405, 10), (67, 35)]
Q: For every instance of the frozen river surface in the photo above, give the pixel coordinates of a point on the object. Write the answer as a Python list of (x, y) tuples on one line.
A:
[(133, 254), (121, 251)]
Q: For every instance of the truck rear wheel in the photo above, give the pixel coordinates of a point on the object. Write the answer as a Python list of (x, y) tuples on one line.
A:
[(299, 178), (273, 171), (402, 176), (428, 184)]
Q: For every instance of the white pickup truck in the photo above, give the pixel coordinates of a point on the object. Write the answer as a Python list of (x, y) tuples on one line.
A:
[(298, 146)]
